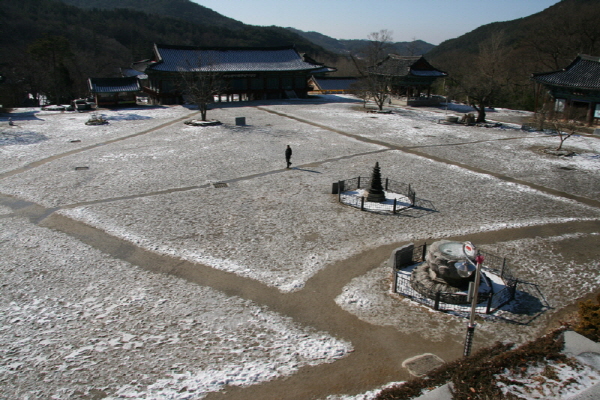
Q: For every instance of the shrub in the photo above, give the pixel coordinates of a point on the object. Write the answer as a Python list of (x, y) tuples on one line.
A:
[(474, 376), (589, 319)]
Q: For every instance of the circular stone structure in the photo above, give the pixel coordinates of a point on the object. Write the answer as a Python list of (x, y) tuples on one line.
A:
[(448, 269)]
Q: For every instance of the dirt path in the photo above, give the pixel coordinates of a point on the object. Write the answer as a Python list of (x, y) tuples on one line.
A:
[(378, 350)]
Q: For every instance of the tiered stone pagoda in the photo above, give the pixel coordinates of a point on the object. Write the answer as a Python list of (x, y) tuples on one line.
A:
[(375, 192)]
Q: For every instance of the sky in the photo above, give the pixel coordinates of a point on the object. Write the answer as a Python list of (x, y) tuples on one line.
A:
[(433, 21)]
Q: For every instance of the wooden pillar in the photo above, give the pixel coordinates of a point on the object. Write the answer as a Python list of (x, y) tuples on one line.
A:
[(567, 112)]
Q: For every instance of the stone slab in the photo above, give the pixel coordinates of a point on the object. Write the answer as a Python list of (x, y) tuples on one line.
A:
[(442, 393), (420, 365)]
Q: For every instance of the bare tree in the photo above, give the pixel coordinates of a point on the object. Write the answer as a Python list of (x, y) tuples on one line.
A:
[(483, 78), (375, 83), (565, 129), (564, 125), (379, 46), (201, 84)]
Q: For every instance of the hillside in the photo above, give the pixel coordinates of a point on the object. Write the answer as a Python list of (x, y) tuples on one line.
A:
[(513, 50), (222, 30), (51, 47), (354, 46), (554, 36), (179, 9)]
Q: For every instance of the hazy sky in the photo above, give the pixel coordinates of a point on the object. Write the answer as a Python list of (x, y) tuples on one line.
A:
[(430, 20)]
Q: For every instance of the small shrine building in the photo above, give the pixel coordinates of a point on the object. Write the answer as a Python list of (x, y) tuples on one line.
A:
[(574, 90), (111, 92), (410, 76)]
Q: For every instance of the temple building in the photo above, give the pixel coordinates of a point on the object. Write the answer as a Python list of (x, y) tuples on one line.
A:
[(573, 91), (408, 76), (111, 92), (246, 73)]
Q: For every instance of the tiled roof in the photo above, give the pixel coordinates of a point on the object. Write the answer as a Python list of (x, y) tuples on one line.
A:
[(406, 65), (133, 72), (583, 73), (179, 58), (334, 83), (113, 85)]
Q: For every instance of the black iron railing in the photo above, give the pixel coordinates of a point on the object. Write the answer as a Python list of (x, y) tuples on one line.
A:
[(349, 193), (407, 257)]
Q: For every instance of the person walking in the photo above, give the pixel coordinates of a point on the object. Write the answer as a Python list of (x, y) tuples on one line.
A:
[(288, 156)]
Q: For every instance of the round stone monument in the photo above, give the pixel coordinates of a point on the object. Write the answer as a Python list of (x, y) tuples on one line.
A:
[(448, 268)]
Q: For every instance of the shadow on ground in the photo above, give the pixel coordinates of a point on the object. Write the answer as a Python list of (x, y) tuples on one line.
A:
[(528, 305)]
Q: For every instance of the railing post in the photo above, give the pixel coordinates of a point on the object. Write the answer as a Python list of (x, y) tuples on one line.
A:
[(386, 183), (469, 340), (395, 200), (395, 273), (362, 204), (424, 252), (488, 308), (436, 305), (358, 184)]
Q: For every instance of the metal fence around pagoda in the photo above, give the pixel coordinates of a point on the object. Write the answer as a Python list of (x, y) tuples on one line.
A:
[(342, 189)]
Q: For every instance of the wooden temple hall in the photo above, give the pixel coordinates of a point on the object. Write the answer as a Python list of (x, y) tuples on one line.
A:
[(573, 92), (408, 76), (245, 73)]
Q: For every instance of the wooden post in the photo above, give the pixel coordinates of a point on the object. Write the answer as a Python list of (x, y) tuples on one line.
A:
[(362, 203)]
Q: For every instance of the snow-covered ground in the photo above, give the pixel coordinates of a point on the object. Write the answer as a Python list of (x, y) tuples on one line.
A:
[(74, 319)]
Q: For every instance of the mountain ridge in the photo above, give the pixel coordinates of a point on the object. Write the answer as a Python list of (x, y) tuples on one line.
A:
[(347, 46)]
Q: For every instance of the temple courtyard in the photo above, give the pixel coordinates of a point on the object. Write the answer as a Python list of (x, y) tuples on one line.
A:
[(145, 258)]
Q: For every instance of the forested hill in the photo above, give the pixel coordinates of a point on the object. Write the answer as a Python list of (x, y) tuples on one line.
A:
[(551, 38), (217, 30), (355, 46), (496, 60), (48, 46), (179, 9)]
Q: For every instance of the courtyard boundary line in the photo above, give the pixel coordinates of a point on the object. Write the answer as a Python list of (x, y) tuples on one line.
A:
[(43, 161), (411, 150), (208, 185)]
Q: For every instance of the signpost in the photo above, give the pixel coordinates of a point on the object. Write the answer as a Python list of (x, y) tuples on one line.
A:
[(471, 325)]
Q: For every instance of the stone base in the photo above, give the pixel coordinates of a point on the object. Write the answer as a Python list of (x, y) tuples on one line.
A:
[(197, 122), (424, 284)]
